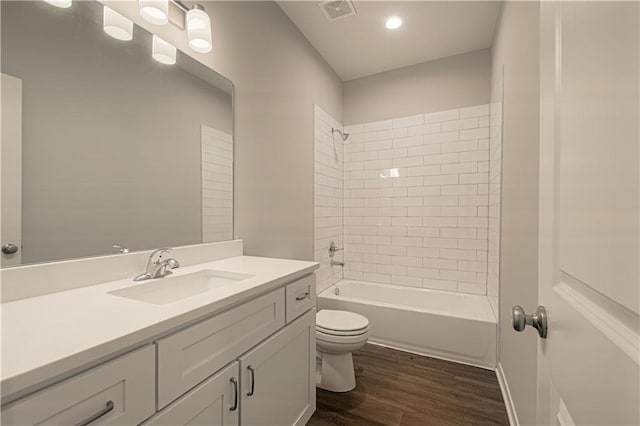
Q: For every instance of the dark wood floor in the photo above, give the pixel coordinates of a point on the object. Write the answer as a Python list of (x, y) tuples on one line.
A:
[(400, 389)]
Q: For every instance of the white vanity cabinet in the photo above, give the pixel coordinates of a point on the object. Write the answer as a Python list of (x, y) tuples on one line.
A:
[(252, 364)]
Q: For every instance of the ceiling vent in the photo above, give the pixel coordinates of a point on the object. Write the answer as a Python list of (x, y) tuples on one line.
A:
[(337, 9)]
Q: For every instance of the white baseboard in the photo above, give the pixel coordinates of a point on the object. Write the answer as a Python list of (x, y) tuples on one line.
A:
[(506, 395)]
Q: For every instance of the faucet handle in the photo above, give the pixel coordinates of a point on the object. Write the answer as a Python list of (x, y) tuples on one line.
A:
[(173, 264)]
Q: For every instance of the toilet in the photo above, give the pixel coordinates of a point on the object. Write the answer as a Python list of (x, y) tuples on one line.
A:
[(338, 334)]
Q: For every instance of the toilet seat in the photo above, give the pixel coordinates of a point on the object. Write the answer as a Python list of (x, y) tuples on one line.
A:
[(341, 323)]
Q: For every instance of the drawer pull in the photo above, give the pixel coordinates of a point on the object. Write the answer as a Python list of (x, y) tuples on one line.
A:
[(304, 296), (97, 415), (234, 382), (253, 381)]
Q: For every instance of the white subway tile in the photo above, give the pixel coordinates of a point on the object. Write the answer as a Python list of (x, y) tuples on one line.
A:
[(426, 129), (423, 272), (436, 284), (424, 170), (474, 111), (447, 169), (406, 281), (471, 145), (377, 126), (462, 124), (440, 222), (434, 117), (480, 133), (468, 233), (432, 232), (423, 150), (441, 158), (448, 200), (423, 251), (421, 191), (394, 134)]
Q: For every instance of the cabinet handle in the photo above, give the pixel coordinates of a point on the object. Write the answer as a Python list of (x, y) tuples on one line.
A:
[(304, 296), (253, 381), (234, 382), (97, 415)]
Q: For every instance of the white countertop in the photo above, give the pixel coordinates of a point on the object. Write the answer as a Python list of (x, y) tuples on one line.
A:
[(51, 336)]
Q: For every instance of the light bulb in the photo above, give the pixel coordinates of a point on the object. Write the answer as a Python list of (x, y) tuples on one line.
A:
[(393, 23), (163, 52), (60, 3), (116, 25), (199, 30), (154, 11)]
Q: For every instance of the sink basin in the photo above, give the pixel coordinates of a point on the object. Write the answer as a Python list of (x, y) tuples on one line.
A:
[(161, 291)]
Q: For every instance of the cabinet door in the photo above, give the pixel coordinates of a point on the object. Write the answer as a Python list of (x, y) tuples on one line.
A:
[(278, 377), (212, 403)]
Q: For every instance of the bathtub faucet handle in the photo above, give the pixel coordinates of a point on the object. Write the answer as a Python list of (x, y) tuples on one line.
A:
[(333, 248)]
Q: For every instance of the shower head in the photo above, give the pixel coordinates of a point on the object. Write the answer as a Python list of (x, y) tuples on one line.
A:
[(345, 136)]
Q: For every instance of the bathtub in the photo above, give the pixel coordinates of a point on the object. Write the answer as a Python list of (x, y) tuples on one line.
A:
[(453, 326)]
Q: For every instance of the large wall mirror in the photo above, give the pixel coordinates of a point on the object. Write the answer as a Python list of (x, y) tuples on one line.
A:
[(102, 146)]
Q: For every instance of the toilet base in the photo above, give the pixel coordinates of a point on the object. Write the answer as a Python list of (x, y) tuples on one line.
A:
[(336, 372)]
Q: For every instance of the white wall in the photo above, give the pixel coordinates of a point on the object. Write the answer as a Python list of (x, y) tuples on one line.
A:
[(328, 187), (278, 77), (516, 48), (416, 200), (453, 82)]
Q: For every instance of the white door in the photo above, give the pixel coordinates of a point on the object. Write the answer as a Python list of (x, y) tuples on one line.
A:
[(589, 215), (11, 170), (278, 377), (215, 402)]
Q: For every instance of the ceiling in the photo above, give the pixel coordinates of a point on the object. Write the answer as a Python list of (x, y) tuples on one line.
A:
[(360, 45)]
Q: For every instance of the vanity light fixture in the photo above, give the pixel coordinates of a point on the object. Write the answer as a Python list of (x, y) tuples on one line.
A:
[(198, 29), (116, 25), (154, 11), (393, 23), (60, 3), (162, 51)]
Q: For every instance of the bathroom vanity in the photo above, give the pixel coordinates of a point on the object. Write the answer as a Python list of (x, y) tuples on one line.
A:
[(231, 343)]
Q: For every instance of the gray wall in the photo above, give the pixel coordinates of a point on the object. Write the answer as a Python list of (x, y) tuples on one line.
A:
[(111, 141), (516, 47), (278, 76), (453, 82)]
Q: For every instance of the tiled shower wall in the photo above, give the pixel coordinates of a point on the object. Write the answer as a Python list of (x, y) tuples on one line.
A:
[(217, 185), (495, 191), (328, 197), (416, 200)]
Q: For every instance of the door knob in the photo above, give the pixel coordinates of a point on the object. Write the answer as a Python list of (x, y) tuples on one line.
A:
[(9, 248), (537, 320)]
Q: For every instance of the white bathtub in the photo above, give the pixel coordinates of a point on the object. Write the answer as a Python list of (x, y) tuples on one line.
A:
[(452, 326)]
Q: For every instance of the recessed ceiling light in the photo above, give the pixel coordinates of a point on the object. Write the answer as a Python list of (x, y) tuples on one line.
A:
[(393, 23)]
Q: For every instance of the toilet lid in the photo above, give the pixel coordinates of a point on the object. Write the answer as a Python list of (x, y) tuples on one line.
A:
[(330, 321)]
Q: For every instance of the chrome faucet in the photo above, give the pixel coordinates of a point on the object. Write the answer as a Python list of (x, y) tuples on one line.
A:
[(336, 263), (158, 268)]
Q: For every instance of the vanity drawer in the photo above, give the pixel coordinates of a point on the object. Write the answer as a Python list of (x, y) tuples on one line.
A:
[(301, 296), (119, 392), (189, 356)]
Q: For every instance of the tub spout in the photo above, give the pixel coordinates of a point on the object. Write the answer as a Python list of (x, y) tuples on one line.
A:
[(336, 263)]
